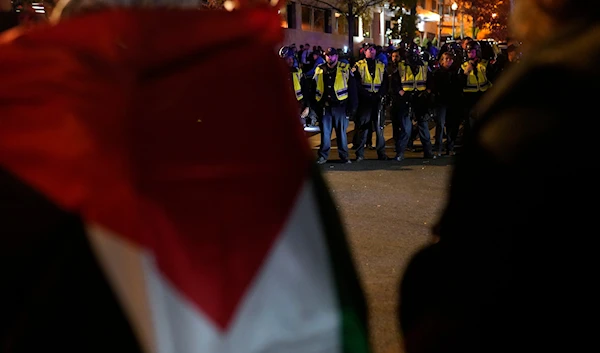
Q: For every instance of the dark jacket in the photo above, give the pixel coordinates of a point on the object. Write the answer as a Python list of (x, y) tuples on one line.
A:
[(514, 266), (446, 86), (394, 82), (499, 67)]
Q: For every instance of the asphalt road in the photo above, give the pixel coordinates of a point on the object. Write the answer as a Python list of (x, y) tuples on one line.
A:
[(388, 209)]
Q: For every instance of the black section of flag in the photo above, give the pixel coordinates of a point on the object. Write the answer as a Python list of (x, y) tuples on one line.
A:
[(54, 296)]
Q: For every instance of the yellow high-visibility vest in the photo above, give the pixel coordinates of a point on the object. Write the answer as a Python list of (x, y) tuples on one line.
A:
[(371, 84), (477, 83), (410, 81), (340, 85), (297, 77)]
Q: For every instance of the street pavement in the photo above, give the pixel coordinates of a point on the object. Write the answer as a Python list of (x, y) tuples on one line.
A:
[(388, 209)]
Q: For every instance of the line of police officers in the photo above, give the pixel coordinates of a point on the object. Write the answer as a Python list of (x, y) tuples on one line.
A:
[(338, 92)]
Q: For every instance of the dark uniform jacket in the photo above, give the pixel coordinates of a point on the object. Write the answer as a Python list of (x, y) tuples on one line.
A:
[(446, 86)]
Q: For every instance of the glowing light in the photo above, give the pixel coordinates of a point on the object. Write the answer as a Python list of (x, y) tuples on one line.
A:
[(337, 14), (494, 15), (454, 6), (229, 5), (345, 48)]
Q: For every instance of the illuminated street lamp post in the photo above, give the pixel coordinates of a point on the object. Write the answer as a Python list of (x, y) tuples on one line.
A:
[(441, 13), (454, 7)]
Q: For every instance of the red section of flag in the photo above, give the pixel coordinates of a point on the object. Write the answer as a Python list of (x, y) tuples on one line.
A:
[(175, 129)]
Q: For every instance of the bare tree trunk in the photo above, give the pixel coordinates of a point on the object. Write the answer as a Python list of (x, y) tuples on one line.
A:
[(413, 11), (350, 20)]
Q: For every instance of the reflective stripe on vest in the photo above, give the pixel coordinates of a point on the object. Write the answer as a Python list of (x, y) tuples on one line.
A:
[(477, 83), (410, 82), (340, 85), (371, 84), (296, 77)]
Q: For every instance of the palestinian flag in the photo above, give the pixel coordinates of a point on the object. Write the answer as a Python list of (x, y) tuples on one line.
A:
[(138, 213)]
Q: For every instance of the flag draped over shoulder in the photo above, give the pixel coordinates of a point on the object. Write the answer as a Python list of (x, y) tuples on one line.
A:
[(140, 213)]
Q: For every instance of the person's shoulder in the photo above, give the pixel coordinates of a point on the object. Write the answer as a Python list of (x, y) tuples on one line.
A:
[(525, 109)]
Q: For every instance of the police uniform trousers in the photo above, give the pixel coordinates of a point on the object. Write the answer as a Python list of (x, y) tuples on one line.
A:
[(334, 117), (419, 110), (367, 117)]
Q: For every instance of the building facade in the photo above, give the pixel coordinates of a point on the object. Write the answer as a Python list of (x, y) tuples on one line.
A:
[(317, 22)]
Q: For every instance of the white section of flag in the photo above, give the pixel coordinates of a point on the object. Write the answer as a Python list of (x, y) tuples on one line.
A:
[(291, 306), (123, 265)]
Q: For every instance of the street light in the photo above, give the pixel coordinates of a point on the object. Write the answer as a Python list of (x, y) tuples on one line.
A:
[(494, 15), (454, 7)]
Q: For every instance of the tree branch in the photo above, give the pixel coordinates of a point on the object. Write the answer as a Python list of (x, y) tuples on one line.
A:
[(331, 6), (368, 4)]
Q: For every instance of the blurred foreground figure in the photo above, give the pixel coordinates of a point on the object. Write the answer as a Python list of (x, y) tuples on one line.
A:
[(514, 270), (129, 226)]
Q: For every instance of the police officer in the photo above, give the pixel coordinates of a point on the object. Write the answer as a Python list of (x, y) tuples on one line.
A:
[(464, 55), (395, 99), (474, 76), (301, 87), (372, 86), (504, 62), (336, 96), (413, 98), (447, 90)]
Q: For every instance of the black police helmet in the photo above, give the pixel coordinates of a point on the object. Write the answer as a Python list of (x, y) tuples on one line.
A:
[(473, 45), (285, 52)]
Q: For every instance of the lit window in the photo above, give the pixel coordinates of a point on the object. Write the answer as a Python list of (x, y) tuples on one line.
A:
[(283, 16), (315, 19)]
